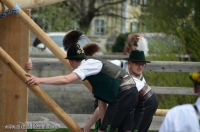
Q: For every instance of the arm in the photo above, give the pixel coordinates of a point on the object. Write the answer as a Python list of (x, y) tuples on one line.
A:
[(102, 109), (57, 80), (95, 117), (168, 124)]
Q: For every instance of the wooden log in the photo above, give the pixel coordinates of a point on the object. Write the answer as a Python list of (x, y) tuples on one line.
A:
[(172, 66), (53, 47), (161, 112), (158, 90), (154, 66), (14, 36), (29, 4), (45, 98)]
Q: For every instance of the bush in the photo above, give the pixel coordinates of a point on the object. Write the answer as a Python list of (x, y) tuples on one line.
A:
[(119, 44)]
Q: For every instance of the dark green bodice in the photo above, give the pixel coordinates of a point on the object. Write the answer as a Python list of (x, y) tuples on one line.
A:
[(105, 88)]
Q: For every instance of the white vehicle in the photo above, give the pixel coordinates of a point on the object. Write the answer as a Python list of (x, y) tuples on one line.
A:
[(57, 37)]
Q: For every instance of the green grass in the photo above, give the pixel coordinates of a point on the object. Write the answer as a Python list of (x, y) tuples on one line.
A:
[(51, 130), (59, 130)]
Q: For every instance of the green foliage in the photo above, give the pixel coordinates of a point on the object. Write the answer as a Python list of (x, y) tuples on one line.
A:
[(180, 18), (120, 42), (55, 17)]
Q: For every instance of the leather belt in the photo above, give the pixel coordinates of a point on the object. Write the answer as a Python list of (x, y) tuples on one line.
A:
[(126, 87), (127, 83), (143, 95)]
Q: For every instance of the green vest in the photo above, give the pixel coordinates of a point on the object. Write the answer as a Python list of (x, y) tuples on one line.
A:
[(105, 88), (106, 83)]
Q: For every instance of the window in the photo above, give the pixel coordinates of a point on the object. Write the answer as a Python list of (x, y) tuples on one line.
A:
[(135, 2), (145, 2), (99, 26), (134, 26)]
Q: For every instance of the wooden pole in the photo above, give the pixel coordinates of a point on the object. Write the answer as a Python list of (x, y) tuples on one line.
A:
[(45, 98), (15, 40), (53, 47), (161, 112), (29, 4)]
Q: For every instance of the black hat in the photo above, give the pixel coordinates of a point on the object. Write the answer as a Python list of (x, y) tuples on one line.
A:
[(74, 50), (137, 56)]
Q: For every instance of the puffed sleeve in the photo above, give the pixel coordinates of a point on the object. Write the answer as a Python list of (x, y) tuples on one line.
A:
[(88, 67)]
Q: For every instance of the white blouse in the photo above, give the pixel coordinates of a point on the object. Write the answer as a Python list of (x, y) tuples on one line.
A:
[(182, 118), (88, 68)]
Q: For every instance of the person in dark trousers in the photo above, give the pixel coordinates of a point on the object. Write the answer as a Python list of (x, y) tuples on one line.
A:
[(148, 101), (111, 84)]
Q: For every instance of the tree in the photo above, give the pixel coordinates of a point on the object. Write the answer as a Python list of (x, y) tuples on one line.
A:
[(178, 17), (56, 17), (79, 11)]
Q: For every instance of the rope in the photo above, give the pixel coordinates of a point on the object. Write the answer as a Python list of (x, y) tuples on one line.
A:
[(13, 11)]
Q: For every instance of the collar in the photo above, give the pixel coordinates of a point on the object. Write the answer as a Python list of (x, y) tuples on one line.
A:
[(138, 77)]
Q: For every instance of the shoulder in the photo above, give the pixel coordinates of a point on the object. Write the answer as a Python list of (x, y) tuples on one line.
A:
[(116, 62), (91, 61), (185, 108)]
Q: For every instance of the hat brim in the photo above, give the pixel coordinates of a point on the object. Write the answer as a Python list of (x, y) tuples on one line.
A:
[(137, 60), (77, 57)]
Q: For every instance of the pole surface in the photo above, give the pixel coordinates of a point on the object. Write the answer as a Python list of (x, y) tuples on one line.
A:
[(161, 112), (15, 40), (45, 98)]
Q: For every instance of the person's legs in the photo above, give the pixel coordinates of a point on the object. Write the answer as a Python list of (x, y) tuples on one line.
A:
[(125, 110), (148, 125), (127, 124), (144, 112)]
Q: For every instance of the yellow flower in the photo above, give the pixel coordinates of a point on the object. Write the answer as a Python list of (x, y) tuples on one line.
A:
[(196, 77)]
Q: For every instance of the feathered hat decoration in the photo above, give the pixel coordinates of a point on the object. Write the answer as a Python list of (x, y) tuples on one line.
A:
[(74, 50)]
